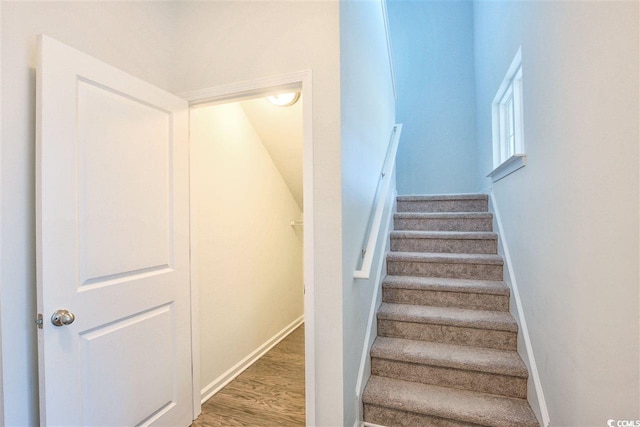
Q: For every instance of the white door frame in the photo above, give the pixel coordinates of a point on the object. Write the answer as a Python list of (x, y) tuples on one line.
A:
[(254, 88)]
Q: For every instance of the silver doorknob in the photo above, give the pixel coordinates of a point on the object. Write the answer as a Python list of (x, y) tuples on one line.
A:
[(62, 317)]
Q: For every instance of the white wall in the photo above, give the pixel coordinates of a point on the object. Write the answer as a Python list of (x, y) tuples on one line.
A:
[(131, 36), (434, 67), (281, 132), (247, 256), (178, 46), (571, 214), (226, 42), (368, 116)]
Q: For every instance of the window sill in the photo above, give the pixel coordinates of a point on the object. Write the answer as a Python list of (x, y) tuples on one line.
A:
[(509, 166)]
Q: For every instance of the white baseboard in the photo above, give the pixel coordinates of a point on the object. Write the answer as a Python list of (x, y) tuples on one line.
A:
[(364, 371), (535, 393), (216, 385)]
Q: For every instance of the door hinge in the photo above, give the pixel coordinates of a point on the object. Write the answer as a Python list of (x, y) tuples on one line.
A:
[(39, 321), (364, 251)]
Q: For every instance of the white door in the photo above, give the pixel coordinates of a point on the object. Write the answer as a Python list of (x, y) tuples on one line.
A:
[(112, 245)]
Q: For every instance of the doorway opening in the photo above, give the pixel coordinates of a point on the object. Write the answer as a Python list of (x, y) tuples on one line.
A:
[(251, 211)]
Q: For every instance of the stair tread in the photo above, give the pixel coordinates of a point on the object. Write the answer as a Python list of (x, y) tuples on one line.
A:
[(503, 362), (437, 197), (492, 287), (445, 257), (450, 316), (452, 235), (448, 403), (442, 215)]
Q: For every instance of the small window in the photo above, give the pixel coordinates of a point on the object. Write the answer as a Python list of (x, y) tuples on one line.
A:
[(508, 134)]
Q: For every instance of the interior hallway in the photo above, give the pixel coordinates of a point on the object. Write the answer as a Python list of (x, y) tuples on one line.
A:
[(269, 393)]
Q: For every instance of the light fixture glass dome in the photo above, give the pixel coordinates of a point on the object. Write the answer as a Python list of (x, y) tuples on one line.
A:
[(284, 99)]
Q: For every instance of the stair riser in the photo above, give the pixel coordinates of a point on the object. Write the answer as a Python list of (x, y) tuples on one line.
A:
[(460, 246), (444, 269), (444, 206), (393, 417), (488, 338), (446, 299), (443, 224), (482, 382)]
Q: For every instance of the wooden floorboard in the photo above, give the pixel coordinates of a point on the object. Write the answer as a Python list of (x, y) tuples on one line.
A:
[(269, 393)]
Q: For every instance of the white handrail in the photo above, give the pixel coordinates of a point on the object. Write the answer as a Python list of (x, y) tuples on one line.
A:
[(385, 178)]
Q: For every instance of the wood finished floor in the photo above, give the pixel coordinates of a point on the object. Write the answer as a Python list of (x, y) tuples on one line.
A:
[(269, 393)]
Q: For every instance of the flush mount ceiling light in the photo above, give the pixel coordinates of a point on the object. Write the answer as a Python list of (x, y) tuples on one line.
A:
[(284, 99)]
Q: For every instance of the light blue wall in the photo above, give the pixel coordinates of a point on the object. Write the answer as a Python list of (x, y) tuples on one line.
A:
[(367, 116), (434, 66), (570, 216)]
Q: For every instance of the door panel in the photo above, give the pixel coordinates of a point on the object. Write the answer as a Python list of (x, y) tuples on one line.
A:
[(125, 209), (128, 343), (113, 245)]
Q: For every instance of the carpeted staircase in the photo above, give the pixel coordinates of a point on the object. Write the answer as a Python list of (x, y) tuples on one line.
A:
[(445, 354)]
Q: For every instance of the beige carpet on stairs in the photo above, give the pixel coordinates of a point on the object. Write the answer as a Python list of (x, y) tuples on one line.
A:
[(445, 355)]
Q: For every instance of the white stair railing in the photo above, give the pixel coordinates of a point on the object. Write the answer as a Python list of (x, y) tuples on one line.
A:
[(382, 195), (376, 240)]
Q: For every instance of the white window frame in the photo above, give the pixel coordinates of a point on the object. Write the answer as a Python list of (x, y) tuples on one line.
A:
[(508, 123)]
